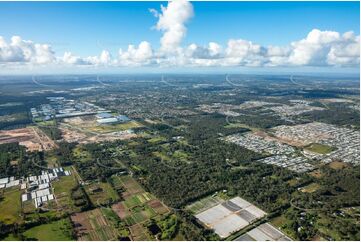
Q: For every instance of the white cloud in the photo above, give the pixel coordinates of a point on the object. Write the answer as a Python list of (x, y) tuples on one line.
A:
[(104, 59), (345, 52), (318, 48), (212, 51), (244, 53), (25, 51), (172, 21), (69, 58), (321, 48), (140, 55)]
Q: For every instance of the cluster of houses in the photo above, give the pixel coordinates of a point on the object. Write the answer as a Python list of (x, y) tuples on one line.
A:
[(283, 155), (260, 144), (297, 107), (346, 142), (36, 188), (294, 163)]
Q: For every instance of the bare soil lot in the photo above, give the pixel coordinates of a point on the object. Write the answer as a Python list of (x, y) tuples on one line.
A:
[(32, 138), (86, 130)]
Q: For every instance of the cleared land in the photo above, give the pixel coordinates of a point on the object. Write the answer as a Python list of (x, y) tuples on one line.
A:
[(32, 138), (337, 165), (89, 124), (85, 129), (311, 188)]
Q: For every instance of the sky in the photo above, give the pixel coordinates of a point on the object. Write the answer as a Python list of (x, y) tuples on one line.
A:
[(83, 37)]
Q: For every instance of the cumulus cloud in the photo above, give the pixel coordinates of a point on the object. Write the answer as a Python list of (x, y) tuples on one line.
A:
[(171, 21), (140, 55), (25, 51), (69, 58), (321, 48), (104, 59), (212, 51), (318, 48)]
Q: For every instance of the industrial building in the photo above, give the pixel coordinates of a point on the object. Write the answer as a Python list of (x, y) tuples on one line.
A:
[(107, 118)]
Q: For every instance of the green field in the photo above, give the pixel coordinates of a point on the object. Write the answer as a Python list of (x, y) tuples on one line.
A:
[(81, 154), (47, 123), (101, 193), (156, 139), (319, 148), (62, 190), (58, 230), (115, 127), (10, 206)]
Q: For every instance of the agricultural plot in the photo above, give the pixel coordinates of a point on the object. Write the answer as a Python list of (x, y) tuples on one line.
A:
[(230, 216), (137, 208), (264, 232), (140, 233), (94, 225)]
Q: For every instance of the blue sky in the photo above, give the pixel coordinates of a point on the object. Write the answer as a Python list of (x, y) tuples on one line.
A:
[(87, 28)]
